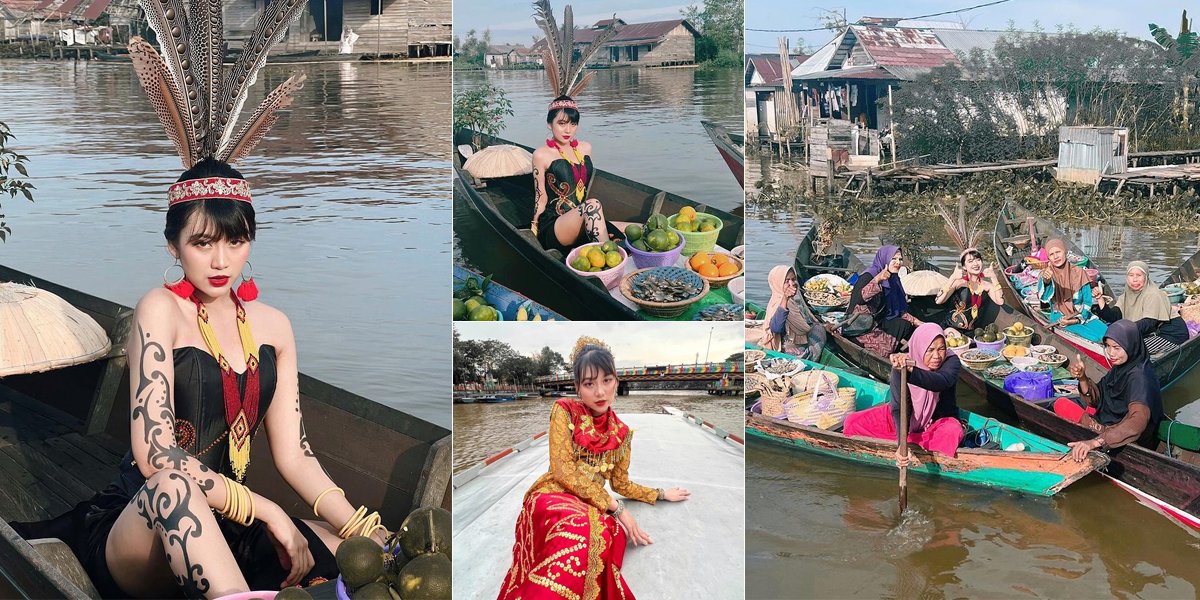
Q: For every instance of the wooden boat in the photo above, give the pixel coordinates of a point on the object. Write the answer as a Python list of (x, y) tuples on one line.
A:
[(1012, 226), (505, 300), (1039, 469), (488, 498), (63, 433), (845, 264), (829, 356), (503, 202), (732, 152)]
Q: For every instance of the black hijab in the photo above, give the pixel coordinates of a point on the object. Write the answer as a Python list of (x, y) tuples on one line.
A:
[(1133, 380)]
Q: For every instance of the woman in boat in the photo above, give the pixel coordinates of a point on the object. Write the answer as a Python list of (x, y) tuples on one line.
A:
[(976, 293), (564, 215), (1126, 405), (933, 402), (179, 518), (785, 326), (1144, 303), (879, 297), (568, 540), (1065, 286)]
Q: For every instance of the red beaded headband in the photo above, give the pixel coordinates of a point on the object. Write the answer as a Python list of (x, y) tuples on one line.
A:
[(212, 187), (557, 104)]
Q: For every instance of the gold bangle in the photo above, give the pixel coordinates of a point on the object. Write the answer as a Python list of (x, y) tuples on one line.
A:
[(322, 495)]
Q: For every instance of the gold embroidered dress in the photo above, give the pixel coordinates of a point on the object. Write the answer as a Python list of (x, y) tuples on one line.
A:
[(567, 545)]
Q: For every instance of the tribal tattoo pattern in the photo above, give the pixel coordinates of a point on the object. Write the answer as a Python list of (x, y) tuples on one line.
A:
[(593, 219), (166, 504), (153, 410), (538, 194)]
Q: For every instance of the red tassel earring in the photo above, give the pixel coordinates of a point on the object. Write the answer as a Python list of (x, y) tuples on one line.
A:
[(180, 287), (247, 291)]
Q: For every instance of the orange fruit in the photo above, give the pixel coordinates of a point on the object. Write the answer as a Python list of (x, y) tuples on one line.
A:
[(698, 259), (719, 259), (708, 270), (727, 269)]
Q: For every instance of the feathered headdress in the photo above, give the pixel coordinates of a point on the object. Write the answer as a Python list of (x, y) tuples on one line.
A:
[(584, 342), (963, 229), (564, 72), (196, 103)]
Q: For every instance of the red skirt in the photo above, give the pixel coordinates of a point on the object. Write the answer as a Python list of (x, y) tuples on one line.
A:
[(565, 549)]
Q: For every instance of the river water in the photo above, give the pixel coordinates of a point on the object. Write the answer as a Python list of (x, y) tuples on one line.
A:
[(824, 527), (643, 124), (477, 436), (350, 187)]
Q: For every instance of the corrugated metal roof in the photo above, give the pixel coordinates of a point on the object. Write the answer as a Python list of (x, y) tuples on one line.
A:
[(635, 32), (903, 47), (96, 9), (18, 8), (860, 72), (767, 66), (820, 60)]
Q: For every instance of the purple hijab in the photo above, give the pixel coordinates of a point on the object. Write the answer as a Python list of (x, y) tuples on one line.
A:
[(893, 291)]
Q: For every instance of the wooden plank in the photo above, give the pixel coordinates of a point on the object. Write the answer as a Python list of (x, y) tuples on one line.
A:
[(41, 501), (32, 575), (63, 483), (89, 470)]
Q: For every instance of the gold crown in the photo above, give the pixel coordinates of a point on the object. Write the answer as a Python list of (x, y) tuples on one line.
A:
[(586, 341)]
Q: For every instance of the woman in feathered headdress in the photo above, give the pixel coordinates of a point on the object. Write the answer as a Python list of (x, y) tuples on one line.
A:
[(209, 365), (565, 214), (975, 290), (569, 543)]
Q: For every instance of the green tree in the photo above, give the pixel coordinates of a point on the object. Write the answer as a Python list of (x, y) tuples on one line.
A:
[(481, 109), (721, 24), (472, 52), (1183, 51), (9, 183), (549, 362)]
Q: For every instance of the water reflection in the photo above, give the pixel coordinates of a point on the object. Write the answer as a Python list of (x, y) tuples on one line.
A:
[(351, 191)]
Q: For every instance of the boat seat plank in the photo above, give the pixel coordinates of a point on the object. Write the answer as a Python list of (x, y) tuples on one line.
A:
[(89, 469), (35, 500), (89, 446), (63, 483)]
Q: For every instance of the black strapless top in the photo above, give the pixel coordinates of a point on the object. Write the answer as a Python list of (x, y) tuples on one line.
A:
[(200, 427), (560, 185)]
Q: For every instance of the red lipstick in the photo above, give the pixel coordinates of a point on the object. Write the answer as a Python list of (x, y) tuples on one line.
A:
[(218, 281)]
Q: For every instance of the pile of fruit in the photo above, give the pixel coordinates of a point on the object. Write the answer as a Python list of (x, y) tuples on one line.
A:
[(597, 257), (687, 219), (988, 334), (415, 564), (469, 303), (655, 236), (1017, 329), (713, 265), (1190, 288), (955, 338), (820, 292)]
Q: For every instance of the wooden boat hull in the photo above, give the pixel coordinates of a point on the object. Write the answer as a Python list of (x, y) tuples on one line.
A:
[(504, 299), (62, 434), (1041, 470), (731, 153), (503, 204), (1169, 366)]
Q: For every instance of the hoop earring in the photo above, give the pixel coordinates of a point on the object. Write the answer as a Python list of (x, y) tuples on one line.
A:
[(180, 287), (248, 290)]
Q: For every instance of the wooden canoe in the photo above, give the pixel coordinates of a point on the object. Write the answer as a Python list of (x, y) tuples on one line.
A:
[(505, 299), (731, 152), (503, 204), (683, 562), (1012, 223), (1039, 469), (63, 432)]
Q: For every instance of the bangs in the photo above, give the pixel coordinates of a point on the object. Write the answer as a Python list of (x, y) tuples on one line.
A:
[(593, 363), (571, 114), (214, 219)]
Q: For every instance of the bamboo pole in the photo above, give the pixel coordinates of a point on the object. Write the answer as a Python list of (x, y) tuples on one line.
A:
[(892, 123)]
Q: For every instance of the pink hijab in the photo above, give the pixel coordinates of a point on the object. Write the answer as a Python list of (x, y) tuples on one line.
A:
[(923, 401)]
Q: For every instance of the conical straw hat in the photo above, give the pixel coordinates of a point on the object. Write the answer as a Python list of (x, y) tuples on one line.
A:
[(500, 161), (40, 331)]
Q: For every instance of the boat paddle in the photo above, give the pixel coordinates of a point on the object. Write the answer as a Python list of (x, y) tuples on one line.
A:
[(902, 441)]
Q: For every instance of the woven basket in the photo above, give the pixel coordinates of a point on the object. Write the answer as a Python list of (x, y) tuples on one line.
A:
[(825, 409), (1036, 263), (664, 310), (804, 381), (753, 356), (773, 398), (1190, 311), (722, 280)]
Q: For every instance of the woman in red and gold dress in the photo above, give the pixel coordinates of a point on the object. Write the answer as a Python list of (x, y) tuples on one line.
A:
[(571, 533)]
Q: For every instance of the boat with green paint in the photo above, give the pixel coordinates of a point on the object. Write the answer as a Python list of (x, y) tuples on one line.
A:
[(1042, 467)]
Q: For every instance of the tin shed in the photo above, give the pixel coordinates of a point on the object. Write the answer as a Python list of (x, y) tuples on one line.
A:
[(1085, 153)]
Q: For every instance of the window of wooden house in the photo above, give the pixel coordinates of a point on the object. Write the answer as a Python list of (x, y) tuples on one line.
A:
[(376, 7)]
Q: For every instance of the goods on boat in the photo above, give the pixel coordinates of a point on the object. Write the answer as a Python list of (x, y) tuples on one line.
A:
[(978, 359), (988, 334), (779, 365), (1000, 371), (594, 258), (1035, 465), (1013, 351), (510, 305), (659, 288), (715, 265), (414, 561), (720, 312), (470, 303), (655, 236), (1054, 360)]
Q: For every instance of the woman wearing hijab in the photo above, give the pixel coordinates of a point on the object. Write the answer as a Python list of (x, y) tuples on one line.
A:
[(1144, 304), (1065, 286), (879, 295), (933, 415), (785, 326), (1126, 406)]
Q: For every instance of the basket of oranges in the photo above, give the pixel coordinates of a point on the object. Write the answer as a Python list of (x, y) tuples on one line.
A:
[(716, 268)]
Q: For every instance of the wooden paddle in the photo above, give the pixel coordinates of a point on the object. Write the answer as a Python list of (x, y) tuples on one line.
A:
[(902, 442)]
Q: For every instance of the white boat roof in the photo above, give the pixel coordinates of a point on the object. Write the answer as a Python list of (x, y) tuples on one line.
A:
[(699, 545)]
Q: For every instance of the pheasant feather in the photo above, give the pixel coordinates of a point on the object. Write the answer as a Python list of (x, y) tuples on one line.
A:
[(262, 120), (208, 53), (169, 20), (155, 78)]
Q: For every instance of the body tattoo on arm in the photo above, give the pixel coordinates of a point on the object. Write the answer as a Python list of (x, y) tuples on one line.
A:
[(153, 407), (538, 192)]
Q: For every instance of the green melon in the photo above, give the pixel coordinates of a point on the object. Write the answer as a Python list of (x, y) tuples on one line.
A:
[(426, 530)]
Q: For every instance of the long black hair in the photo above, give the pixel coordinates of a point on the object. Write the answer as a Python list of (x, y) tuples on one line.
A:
[(593, 360), (222, 219), (571, 113)]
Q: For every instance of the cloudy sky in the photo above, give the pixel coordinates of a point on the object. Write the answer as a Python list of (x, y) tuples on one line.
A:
[(1129, 17), (511, 21), (633, 344)]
